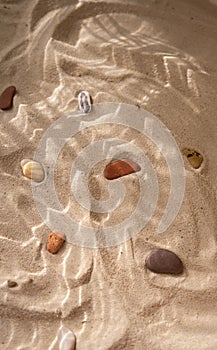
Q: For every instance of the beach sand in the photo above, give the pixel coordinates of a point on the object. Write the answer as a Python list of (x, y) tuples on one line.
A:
[(160, 55)]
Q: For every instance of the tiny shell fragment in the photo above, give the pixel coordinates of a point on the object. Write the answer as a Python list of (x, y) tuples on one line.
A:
[(6, 98), (32, 170), (194, 157), (120, 168), (55, 242), (66, 339), (84, 102)]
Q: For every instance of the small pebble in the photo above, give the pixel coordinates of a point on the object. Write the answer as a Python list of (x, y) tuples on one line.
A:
[(164, 261), (32, 170), (84, 102), (194, 157), (120, 168), (12, 284), (66, 339), (6, 98), (55, 242)]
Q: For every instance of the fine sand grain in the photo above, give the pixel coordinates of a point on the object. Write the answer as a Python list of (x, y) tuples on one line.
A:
[(160, 55)]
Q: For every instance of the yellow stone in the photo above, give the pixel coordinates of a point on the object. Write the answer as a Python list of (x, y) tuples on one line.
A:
[(32, 170), (194, 157)]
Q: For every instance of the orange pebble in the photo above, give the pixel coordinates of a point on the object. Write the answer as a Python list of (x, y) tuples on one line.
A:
[(55, 242), (120, 168)]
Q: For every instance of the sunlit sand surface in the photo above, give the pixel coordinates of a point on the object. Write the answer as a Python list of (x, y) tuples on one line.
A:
[(160, 56)]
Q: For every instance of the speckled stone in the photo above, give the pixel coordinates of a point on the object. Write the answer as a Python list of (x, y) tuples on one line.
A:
[(194, 157), (55, 242), (84, 102), (119, 168), (164, 261)]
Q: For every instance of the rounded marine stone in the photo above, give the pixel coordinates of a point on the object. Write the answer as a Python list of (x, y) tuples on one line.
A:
[(84, 101), (194, 157), (164, 261), (55, 242), (66, 339), (12, 284), (33, 170), (119, 168), (6, 98)]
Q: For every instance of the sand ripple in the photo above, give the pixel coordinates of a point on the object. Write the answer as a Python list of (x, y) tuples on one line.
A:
[(154, 54)]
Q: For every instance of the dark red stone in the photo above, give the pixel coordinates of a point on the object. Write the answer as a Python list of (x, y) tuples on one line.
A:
[(6, 98), (164, 261), (120, 168)]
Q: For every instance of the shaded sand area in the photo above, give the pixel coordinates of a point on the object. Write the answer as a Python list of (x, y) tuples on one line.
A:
[(160, 55)]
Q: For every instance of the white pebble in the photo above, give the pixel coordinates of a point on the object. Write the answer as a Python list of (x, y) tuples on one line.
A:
[(84, 102), (32, 170), (66, 339)]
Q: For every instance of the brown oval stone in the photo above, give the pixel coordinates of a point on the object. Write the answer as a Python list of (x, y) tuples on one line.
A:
[(164, 261), (12, 284), (6, 98), (55, 242), (120, 168)]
